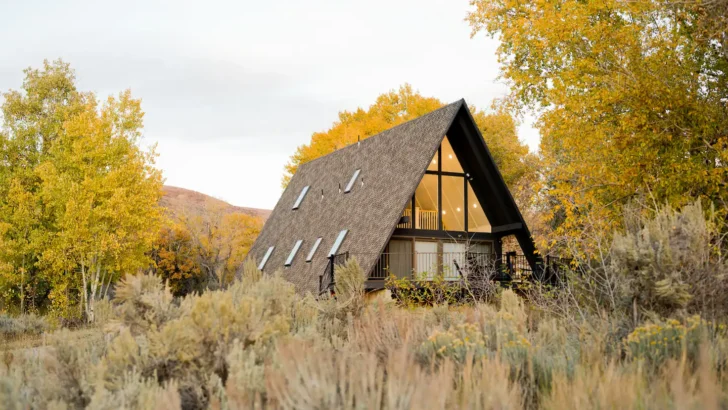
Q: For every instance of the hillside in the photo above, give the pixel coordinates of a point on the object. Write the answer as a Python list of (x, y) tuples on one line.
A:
[(178, 200)]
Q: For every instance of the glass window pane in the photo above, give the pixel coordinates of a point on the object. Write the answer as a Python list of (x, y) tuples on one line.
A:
[(406, 215), (453, 203), (265, 258), (450, 161), (427, 260), (453, 259), (426, 203), (350, 185), (337, 244), (399, 258), (477, 221), (432, 166), (315, 246), (300, 197), (293, 253)]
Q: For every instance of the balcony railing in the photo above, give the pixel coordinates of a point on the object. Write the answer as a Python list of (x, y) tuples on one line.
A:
[(424, 219), (454, 266), (327, 280)]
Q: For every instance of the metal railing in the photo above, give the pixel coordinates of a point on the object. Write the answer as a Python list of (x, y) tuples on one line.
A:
[(424, 219), (327, 280), (454, 266), (549, 270), (451, 266)]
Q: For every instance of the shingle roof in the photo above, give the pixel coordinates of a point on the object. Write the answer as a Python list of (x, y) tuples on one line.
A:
[(392, 164)]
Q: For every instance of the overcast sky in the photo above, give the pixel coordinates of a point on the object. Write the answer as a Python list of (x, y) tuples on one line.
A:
[(230, 89)]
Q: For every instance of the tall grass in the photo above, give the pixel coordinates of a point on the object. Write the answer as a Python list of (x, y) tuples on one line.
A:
[(260, 345)]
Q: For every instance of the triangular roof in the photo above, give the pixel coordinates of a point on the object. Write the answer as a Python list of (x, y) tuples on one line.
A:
[(392, 164)]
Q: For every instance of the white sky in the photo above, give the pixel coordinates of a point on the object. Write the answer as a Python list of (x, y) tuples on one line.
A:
[(230, 89)]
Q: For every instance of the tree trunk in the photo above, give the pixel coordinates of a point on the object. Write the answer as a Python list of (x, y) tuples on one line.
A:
[(22, 287), (94, 284), (84, 293)]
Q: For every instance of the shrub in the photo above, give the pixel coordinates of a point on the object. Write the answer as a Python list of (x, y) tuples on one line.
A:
[(142, 302), (29, 324), (430, 292), (671, 262), (457, 343), (656, 343)]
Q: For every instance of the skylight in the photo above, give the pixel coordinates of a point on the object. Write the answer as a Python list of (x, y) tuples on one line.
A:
[(265, 258), (315, 246), (293, 253), (339, 240), (352, 181), (300, 197)]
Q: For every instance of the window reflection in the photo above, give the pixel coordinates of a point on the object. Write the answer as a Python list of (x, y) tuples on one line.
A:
[(453, 203), (477, 221)]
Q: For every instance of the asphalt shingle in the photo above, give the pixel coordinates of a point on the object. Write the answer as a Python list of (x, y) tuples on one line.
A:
[(392, 164)]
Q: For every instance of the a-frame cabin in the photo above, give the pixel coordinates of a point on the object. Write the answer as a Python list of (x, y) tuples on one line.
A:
[(412, 201)]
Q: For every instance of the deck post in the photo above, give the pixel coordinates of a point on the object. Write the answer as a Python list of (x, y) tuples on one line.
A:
[(331, 264), (509, 265), (547, 270)]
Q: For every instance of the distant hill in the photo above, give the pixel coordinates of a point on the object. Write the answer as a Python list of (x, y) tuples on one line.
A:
[(179, 200)]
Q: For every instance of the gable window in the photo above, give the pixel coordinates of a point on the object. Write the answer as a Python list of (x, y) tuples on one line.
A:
[(293, 253), (350, 185), (338, 242), (300, 197), (265, 258), (314, 248), (477, 221), (450, 161), (444, 199), (426, 203), (453, 203)]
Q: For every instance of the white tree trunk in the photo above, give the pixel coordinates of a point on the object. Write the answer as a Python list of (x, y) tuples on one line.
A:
[(95, 283), (85, 290)]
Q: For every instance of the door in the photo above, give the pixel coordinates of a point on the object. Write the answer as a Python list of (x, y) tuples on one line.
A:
[(481, 261), (400, 258), (426, 260), (453, 260)]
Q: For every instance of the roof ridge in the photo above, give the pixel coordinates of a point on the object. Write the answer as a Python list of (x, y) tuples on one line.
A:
[(460, 101)]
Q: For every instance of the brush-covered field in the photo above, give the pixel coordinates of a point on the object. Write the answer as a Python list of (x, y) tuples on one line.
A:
[(642, 329), (260, 345)]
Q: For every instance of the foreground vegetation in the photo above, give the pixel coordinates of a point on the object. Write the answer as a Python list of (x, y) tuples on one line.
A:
[(611, 337), (258, 345)]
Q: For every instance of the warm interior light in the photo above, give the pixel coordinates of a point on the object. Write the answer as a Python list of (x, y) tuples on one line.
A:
[(475, 205), (434, 161), (444, 212), (458, 209), (450, 156)]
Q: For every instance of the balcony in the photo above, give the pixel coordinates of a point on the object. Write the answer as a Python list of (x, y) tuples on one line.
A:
[(424, 219), (453, 267)]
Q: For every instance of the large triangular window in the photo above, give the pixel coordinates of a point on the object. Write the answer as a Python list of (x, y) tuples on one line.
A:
[(444, 198)]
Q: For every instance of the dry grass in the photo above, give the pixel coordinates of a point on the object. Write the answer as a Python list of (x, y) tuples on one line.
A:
[(260, 345)]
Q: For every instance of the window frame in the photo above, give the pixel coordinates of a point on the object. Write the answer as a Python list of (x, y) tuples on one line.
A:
[(300, 198), (313, 250), (294, 251), (266, 257), (465, 175), (338, 242), (352, 181)]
